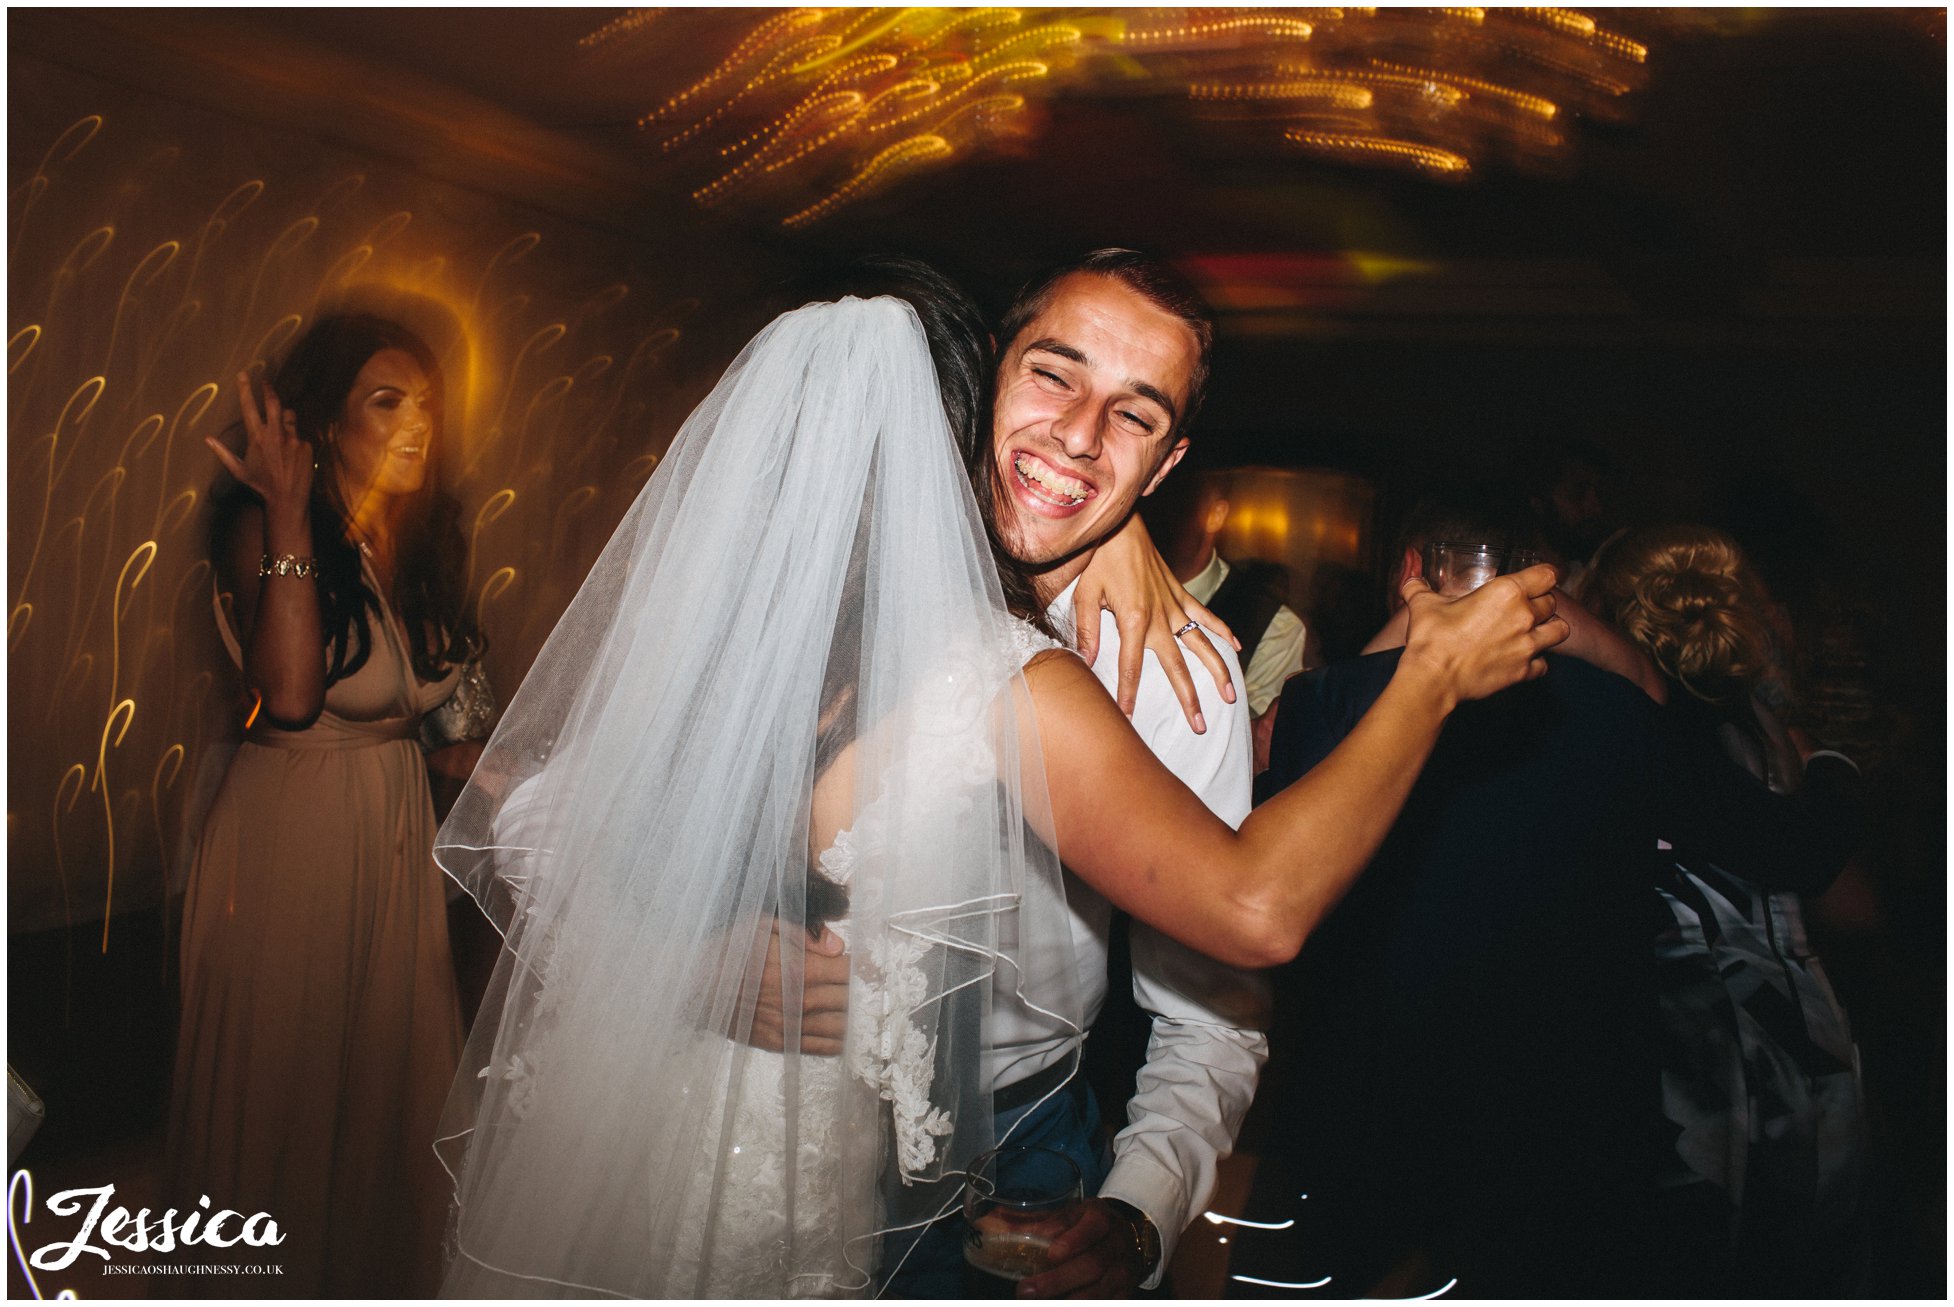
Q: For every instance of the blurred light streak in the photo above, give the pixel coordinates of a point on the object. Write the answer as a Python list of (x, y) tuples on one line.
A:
[(18, 352), (499, 581), (573, 506), (79, 775), (104, 527), (915, 151), (591, 369), (386, 229), (548, 393), (1424, 157), (343, 270), (86, 250), (108, 808), (119, 608), (67, 146), (287, 242), (94, 387), (190, 412), (1282, 1284), (79, 670), (153, 424), (219, 220), (168, 519), (271, 343), (494, 507), (1216, 1218), (173, 759), (539, 341), (169, 250), (793, 123), (509, 253)]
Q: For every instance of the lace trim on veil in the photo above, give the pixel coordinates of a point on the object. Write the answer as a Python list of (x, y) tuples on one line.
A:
[(886, 1050)]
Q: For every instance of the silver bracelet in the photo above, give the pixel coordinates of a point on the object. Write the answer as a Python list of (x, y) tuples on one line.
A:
[(287, 565)]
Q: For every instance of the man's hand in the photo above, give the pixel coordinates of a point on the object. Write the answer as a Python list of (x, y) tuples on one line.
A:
[(824, 992), (1485, 641), (1095, 1258)]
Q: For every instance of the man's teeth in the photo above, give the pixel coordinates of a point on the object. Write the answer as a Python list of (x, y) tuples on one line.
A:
[(1069, 488)]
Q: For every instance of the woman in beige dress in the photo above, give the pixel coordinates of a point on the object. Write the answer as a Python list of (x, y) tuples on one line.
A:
[(320, 1026)]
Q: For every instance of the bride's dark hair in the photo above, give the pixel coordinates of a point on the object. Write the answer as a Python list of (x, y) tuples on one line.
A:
[(960, 348)]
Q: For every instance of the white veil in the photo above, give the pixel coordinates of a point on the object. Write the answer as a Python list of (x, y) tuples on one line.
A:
[(802, 591)]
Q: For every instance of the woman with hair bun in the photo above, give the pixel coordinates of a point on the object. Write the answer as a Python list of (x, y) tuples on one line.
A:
[(1763, 1193)]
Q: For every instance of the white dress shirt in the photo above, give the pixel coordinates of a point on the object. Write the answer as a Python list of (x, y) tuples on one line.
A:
[(1278, 655), (1208, 1044)]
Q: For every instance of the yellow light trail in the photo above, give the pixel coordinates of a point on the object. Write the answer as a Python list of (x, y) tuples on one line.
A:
[(108, 807)]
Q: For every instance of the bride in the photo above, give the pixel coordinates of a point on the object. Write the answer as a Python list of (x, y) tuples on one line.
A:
[(793, 689)]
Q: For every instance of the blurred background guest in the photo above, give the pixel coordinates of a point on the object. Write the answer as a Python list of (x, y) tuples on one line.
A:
[(1764, 1184), (320, 1026), (1462, 1082), (1566, 484), (1185, 519)]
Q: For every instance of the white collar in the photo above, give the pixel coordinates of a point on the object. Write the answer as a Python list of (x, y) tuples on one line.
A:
[(1208, 580)]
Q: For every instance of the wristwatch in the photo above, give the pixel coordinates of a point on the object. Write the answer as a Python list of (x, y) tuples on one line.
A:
[(1146, 1237)]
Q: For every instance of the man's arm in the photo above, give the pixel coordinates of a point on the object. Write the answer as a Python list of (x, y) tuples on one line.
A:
[(1202, 1065)]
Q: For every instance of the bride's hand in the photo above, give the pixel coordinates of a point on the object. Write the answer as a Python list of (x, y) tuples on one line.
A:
[(1490, 639), (1128, 577)]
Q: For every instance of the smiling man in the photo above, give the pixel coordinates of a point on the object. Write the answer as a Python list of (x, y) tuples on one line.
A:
[(1102, 367)]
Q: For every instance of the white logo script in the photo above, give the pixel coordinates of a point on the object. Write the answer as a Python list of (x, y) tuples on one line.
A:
[(137, 1233)]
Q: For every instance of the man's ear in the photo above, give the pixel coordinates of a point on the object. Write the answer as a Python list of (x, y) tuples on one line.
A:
[(1410, 565), (1217, 517), (1173, 457)]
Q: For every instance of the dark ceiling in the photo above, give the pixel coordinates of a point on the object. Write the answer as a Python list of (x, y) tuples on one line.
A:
[(1790, 133), (1758, 247)]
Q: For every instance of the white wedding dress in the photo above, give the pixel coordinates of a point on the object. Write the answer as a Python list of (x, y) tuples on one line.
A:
[(640, 823), (764, 1238)]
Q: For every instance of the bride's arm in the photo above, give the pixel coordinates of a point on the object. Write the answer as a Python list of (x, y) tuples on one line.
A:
[(1128, 828)]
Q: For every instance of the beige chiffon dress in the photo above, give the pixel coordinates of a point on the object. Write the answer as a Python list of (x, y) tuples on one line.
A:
[(320, 1028)]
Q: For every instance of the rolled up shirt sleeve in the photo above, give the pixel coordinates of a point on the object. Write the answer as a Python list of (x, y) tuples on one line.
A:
[(1208, 1042)]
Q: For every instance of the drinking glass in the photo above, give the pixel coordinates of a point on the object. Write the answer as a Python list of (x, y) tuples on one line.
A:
[(1458, 567), (1016, 1200)]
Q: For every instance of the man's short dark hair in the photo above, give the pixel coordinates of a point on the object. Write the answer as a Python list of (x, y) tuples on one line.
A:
[(1488, 513), (1151, 278)]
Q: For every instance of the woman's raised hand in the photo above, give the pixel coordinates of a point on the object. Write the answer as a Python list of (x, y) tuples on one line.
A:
[(1128, 577), (1490, 639), (276, 463)]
